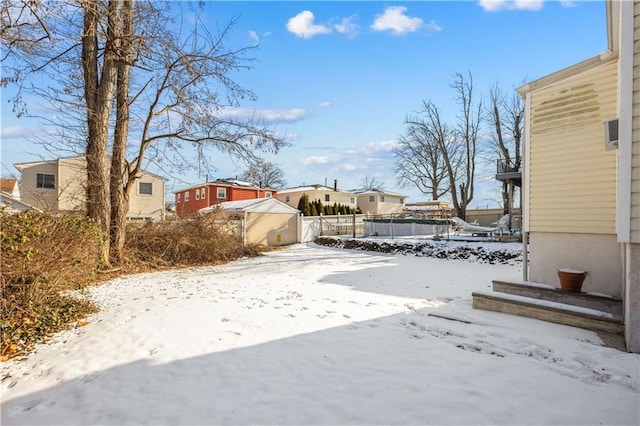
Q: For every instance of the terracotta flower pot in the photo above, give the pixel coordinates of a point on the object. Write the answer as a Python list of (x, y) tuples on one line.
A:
[(571, 280)]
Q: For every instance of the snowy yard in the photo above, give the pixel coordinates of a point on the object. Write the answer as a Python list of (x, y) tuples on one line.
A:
[(323, 336)]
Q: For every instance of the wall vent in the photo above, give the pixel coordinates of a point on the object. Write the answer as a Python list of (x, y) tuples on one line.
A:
[(611, 134)]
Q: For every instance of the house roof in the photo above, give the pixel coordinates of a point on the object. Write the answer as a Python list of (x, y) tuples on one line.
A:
[(380, 192), (230, 183), (21, 166), (309, 188), (256, 205), (8, 184), (6, 198)]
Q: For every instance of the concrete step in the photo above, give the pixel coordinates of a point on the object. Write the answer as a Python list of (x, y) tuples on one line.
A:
[(551, 311), (598, 302)]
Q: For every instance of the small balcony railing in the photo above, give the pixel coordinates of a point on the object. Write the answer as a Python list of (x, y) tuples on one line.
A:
[(503, 167)]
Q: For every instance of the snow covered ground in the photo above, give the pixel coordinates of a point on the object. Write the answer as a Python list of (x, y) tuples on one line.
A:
[(318, 335)]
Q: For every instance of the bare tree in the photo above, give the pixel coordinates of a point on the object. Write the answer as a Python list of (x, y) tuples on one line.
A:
[(468, 126), (118, 188), (99, 84), (264, 173), (22, 27), (171, 88), (419, 158), (370, 183), (505, 116)]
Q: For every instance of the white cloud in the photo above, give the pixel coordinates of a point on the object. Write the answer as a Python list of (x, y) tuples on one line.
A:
[(8, 131), (433, 27), (302, 25), (266, 115), (347, 26), (497, 5), (257, 38), (316, 160), (254, 36), (394, 19), (325, 104)]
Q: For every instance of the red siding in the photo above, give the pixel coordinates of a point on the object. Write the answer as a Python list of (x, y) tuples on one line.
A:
[(211, 197)]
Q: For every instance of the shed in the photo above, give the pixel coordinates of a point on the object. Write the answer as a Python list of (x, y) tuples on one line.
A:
[(263, 221)]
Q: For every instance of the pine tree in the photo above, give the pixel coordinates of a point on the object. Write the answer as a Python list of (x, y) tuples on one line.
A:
[(303, 205), (314, 212)]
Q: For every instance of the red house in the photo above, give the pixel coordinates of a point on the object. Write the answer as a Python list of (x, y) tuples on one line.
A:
[(192, 199)]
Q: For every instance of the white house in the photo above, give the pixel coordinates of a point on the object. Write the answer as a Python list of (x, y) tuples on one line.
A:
[(59, 185)]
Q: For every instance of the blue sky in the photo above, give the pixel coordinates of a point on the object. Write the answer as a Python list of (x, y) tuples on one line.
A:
[(339, 77)]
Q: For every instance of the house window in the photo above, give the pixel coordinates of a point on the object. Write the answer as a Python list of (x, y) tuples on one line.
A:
[(327, 197), (197, 194), (287, 199), (382, 198), (178, 198), (145, 188), (267, 194), (186, 196), (203, 191), (222, 193), (45, 181), (372, 198), (353, 200)]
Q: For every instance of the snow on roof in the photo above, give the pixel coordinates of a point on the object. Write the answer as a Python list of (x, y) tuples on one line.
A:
[(377, 191), (310, 188), (260, 205)]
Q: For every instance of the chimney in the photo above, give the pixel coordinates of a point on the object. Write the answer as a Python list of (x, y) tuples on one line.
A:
[(335, 184)]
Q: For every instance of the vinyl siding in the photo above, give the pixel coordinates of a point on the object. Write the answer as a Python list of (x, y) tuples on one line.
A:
[(44, 199), (572, 177), (72, 175), (143, 206), (635, 153)]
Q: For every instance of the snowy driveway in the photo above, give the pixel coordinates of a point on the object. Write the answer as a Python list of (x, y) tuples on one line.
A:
[(313, 335)]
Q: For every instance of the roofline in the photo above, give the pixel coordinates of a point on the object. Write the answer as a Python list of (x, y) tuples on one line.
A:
[(613, 25), (381, 193), (316, 187), (228, 185), (20, 166), (570, 71)]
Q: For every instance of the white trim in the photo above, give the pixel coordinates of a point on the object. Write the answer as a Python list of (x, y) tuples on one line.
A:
[(625, 115), (565, 73), (218, 189), (526, 155)]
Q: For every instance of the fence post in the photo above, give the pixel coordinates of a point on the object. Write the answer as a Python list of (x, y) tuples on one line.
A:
[(354, 224), (321, 224)]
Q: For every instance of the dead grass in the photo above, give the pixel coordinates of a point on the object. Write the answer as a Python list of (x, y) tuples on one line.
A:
[(44, 257)]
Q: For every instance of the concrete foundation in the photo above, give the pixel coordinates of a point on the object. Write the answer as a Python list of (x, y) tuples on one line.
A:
[(599, 255)]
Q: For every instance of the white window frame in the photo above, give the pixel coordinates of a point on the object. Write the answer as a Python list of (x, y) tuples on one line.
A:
[(144, 194), (203, 193), (267, 194), (40, 184), (382, 198), (186, 196), (372, 198), (221, 193), (177, 197), (327, 197), (287, 198), (197, 194)]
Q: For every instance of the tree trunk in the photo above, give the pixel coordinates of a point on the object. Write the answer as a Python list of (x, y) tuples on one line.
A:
[(120, 180), (98, 94)]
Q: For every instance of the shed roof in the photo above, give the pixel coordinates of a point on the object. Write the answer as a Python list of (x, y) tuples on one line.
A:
[(256, 205)]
